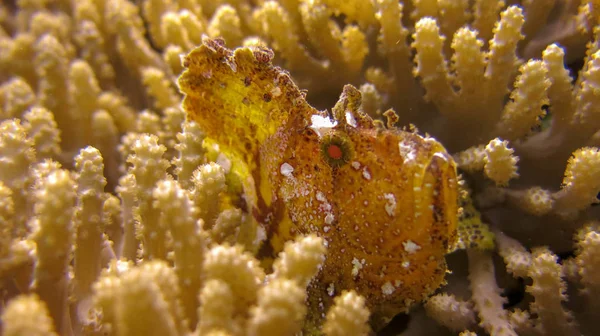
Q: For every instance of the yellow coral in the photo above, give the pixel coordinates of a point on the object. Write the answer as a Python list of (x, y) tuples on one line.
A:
[(27, 315), (348, 316), (89, 228), (500, 163), (280, 309), (548, 289), (177, 214), (582, 180), (450, 311), (52, 232), (102, 73)]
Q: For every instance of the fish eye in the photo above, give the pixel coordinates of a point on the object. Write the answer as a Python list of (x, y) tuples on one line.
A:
[(336, 149)]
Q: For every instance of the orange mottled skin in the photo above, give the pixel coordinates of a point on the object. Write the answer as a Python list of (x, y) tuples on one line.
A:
[(385, 200)]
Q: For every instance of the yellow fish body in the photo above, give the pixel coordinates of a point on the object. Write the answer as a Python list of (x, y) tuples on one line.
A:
[(384, 200)]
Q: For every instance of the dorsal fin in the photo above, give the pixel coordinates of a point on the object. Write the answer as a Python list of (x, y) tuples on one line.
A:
[(239, 98)]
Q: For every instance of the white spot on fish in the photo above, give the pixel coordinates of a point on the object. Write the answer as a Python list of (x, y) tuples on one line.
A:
[(387, 288), (366, 174), (410, 246), (331, 289), (276, 91), (321, 124), (350, 119), (286, 169), (390, 206), (357, 265), (407, 151)]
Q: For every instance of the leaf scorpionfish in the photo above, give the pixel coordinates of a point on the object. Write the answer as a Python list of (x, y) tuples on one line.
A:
[(383, 199)]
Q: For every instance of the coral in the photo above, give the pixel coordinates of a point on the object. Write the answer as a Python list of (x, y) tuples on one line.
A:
[(348, 316), (124, 211), (16, 317), (451, 312)]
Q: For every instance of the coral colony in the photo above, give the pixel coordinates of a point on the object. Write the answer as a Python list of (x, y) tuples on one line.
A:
[(314, 167)]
